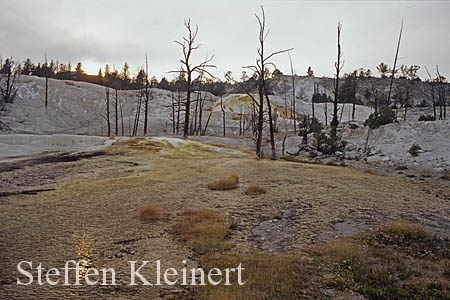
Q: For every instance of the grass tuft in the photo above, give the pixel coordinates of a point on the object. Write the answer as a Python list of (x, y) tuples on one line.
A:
[(149, 212), (224, 184), (255, 189), (204, 229)]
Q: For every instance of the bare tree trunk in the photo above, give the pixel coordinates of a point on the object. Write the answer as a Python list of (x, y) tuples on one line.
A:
[(147, 97), (353, 111), (293, 110), (271, 129), (116, 104), (194, 129), (188, 106), (395, 65), (442, 96), (207, 122), (316, 91), (223, 115), (121, 118), (138, 113), (46, 93), (338, 66), (259, 152), (178, 111), (240, 121), (108, 113), (202, 102), (173, 115), (325, 109)]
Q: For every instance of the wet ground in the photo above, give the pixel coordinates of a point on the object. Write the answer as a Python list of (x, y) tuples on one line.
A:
[(90, 210)]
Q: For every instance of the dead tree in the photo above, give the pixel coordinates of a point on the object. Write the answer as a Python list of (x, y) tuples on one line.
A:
[(138, 112), (121, 118), (147, 96), (259, 68), (194, 121), (222, 107), (200, 117), (188, 46), (395, 65), (46, 74), (432, 92), (338, 65), (442, 96), (207, 122), (107, 113), (173, 115), (316, 91), (8, 80), (116, 108), (293, 109)]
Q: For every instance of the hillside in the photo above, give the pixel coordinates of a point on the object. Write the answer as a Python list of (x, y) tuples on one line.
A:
[(79, 108), (419, 91)]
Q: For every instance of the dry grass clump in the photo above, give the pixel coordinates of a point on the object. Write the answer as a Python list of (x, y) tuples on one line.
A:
[(446, 265), (446, 174), (204, 229), (255, 189), (224, 184), (411, 237), (150, 212), (426, 174)]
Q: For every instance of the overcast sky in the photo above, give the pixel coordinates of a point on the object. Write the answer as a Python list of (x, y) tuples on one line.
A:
[(97, 32)]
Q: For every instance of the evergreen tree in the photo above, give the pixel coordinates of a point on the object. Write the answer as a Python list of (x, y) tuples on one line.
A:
[(28, 67)]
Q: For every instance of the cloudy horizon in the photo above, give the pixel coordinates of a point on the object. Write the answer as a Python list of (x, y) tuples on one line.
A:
[(113, 32)]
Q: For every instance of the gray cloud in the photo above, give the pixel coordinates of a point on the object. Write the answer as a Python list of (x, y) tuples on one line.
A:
[(115, 31)]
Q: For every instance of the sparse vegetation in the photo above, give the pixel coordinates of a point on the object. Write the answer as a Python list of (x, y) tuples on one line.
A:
[(401, 167), (426, 118), (388, 263), (415, 150), (204, 229), (255, 189), (446, 174), (382, 117), (224, 184), (426, 174), (325, 142), (149, 212)]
